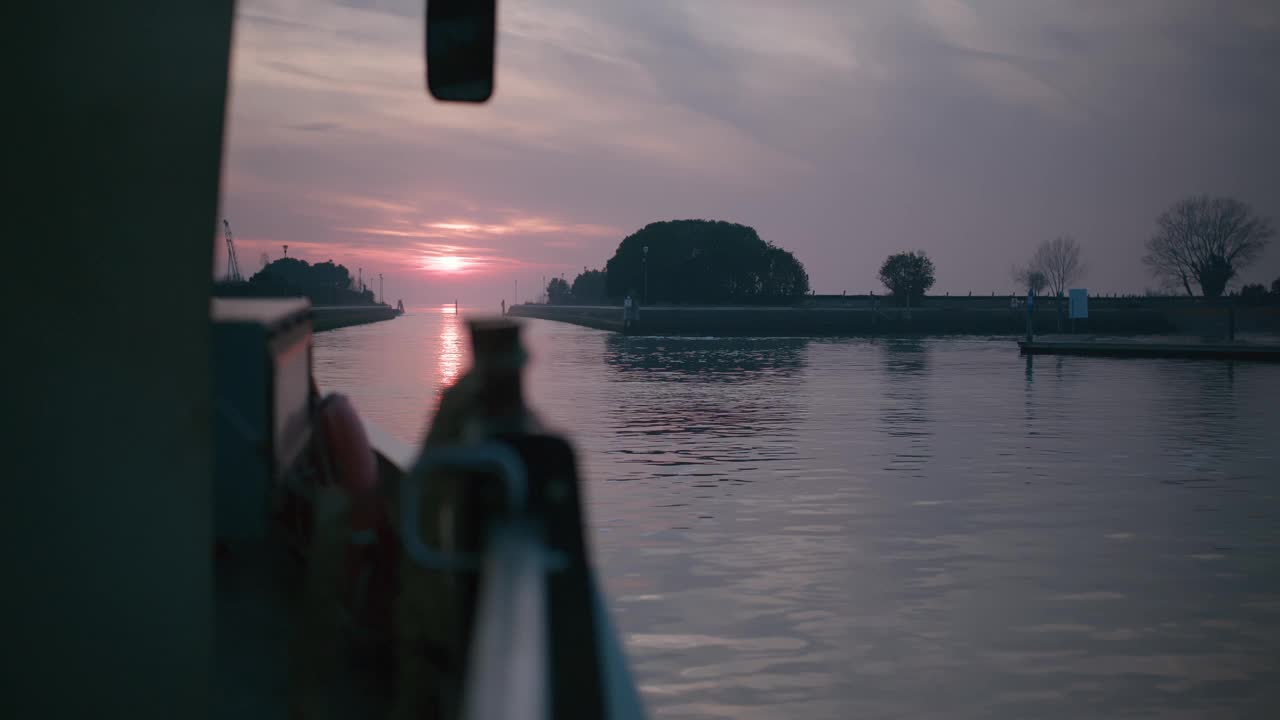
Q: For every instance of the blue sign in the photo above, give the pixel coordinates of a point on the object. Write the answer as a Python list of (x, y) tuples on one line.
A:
[(1078, 303)]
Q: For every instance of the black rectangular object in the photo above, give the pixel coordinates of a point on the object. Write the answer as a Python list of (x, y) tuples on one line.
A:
[(460, 46)]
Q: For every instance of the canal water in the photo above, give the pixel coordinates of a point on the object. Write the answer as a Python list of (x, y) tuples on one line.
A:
[(900, 528)]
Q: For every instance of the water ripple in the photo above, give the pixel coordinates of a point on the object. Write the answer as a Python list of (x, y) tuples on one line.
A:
[(903, 528)]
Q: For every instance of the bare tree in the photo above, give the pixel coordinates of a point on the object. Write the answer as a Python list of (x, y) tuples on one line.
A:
[(1206, 240), (1059, 260)]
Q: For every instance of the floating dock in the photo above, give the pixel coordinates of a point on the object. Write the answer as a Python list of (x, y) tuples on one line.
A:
[(1107, 348)]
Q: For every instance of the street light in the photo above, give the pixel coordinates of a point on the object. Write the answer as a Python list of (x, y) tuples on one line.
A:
[(644, 264)]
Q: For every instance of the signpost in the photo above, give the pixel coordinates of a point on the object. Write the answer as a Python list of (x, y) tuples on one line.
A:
[(1031, 303), (1077, 305)]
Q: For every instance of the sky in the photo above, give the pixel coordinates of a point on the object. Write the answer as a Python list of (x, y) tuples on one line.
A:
[(843, 131)]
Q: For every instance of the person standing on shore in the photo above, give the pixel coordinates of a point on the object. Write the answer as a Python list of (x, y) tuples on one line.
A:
[(628, 312)]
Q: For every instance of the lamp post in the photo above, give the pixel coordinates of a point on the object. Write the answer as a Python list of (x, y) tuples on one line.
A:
[(380, 296), (644, 264)]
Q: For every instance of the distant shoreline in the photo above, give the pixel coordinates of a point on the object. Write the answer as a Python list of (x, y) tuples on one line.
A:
[(803, 321)]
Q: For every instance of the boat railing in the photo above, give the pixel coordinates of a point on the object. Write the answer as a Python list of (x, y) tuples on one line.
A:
[(540, 645), (508, 665), (526, 657)]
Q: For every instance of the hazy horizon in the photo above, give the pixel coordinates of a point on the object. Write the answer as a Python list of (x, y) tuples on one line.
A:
[(970, 130)]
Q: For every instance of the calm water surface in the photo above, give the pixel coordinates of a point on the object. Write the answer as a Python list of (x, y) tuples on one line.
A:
[(916, 528)]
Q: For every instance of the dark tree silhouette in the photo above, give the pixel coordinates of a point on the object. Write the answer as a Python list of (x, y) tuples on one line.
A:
[(1207, 241), (590, 286), (324, 283), (1037, 281), (1030, 278), (703, 261), (1253, 293), (558, 292), (908, 275), (1275, 286)]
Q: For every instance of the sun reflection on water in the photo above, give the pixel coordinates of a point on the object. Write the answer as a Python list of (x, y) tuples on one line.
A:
[(451, 353)]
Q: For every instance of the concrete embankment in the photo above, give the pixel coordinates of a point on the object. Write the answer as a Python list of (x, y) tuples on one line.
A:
[(330, 317), (811, 321), (598, 317), (808, 321)]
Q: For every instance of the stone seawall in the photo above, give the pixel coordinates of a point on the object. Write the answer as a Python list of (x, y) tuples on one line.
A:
[(808, 321), (330, 317), (805, 321)]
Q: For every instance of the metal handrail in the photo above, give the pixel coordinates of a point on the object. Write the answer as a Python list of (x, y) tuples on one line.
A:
[(509, 661), (509, 664), (511, 672)]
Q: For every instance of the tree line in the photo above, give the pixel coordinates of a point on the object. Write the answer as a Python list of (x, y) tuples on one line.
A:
[(1200, 242), (323, 283)]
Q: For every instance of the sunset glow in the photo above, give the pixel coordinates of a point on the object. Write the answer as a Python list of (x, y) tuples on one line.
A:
[(459, 227), (744, 112), (446, 264)]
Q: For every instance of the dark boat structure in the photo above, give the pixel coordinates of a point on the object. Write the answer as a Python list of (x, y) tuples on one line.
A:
[(535, 635), (197, 530)]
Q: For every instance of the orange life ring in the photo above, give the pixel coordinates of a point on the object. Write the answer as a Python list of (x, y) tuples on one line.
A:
[(348, 461), (351, 559)]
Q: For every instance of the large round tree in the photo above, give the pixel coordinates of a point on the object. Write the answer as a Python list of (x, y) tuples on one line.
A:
[(908, 275), (703, 261)]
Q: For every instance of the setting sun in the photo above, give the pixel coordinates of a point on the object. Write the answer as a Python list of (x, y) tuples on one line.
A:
[(446, 263)]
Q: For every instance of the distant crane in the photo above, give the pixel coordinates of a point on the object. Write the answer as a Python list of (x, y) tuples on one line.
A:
[(233, 265)]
